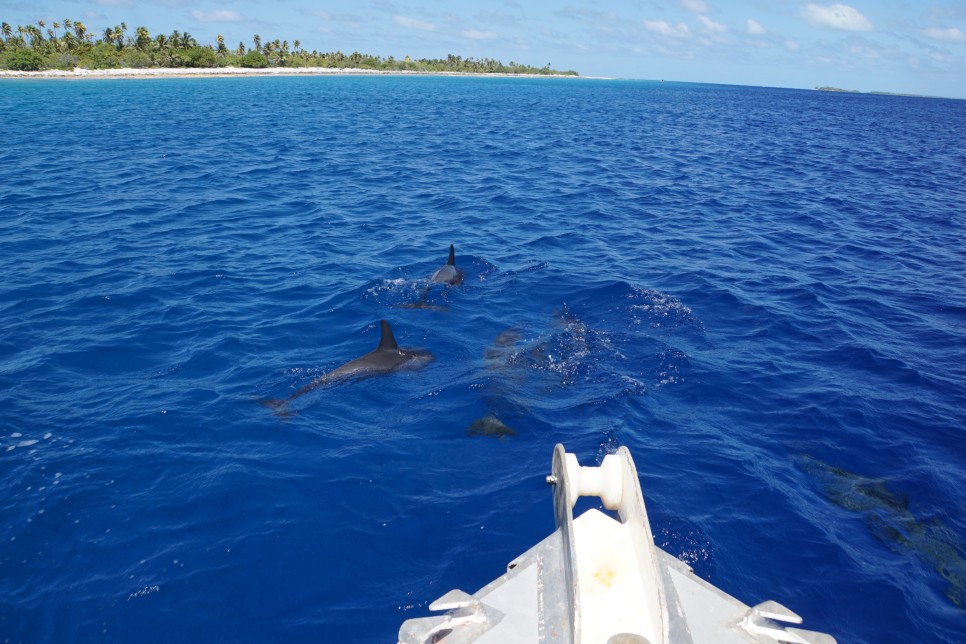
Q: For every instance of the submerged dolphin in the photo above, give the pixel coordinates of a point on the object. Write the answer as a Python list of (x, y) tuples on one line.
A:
[(448, 273), (490, 425), (889, 519), (385, 358)]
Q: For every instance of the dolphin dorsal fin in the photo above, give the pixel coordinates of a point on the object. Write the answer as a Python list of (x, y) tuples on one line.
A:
[(387, 342), (452, 256)]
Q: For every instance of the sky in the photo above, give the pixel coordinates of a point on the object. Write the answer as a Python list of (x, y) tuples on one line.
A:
[(905, 46)]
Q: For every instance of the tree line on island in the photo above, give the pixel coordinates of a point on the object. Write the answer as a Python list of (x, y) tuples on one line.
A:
[(69, 44)]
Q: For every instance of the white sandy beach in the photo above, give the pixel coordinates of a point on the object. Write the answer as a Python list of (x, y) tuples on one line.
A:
[(167, 72)]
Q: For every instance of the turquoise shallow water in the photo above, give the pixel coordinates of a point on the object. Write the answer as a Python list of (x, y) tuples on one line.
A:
[(760, 292)]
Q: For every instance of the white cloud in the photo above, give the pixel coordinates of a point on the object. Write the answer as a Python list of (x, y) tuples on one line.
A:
[(585, 15), (952, 34), (475, 34), (403, 21), (940, 57), (697, 6), (867, 52), (216, 16), (712, 26), (791, 45), (836, 16), (754, 28), (344, 18), (665, 28)]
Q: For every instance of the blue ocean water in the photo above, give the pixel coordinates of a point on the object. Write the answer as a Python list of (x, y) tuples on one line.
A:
[(761, 292)]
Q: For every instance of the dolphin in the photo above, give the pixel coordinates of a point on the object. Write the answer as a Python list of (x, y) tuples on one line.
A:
[(889, 519), (385, 358), (448, 273), (490, 425)]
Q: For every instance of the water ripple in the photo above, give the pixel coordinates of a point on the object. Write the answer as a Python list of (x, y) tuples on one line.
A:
[(759, 291)]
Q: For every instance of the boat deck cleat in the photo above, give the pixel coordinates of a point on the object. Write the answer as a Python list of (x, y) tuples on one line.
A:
[(599, 579)]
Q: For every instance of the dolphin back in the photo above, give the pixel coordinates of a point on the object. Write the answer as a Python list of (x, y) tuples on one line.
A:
[(448, 273), (387, 341), (385, 358)]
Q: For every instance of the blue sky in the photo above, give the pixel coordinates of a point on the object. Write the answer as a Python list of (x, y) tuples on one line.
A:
[(887, 45)]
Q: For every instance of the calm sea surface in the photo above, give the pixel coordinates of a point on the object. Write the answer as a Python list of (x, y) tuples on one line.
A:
[(761, 292)]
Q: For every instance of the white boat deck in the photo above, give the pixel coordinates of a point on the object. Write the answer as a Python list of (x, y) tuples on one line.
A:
[(598, 579)]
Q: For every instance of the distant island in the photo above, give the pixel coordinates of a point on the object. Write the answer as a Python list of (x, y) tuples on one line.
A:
[(855, 91), (68, 45), (837, 89)]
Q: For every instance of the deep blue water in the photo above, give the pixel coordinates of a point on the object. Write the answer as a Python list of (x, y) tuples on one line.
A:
[(761, 292)]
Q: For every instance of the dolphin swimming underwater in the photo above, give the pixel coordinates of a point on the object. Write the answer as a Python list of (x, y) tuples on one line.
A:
[(448, 273), (385, 358), (889, 518), (490, 425)]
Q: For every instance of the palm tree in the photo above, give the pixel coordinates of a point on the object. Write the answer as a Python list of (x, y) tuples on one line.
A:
[(142, 39), (80, 30), (36, 37), (54, 38), (68, 26), (258, 42), (161, 45)]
